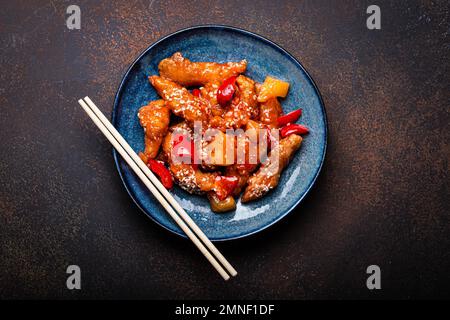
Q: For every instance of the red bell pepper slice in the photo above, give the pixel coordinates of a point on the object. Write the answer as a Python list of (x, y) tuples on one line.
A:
[(184, 147), (225, 186), (293, 129), (226, 91), (196, 92), (162, 172), (291, 117)]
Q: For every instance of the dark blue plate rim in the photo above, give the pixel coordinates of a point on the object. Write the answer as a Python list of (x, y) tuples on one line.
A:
[(251, 34)]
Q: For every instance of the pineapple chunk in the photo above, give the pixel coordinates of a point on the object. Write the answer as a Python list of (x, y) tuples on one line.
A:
[(272, 88), (219, 152)]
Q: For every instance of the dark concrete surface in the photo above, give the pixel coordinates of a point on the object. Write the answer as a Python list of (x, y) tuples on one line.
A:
[(382, 197)]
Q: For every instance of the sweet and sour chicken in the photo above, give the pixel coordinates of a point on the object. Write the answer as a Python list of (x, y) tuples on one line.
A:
[(217, 132)]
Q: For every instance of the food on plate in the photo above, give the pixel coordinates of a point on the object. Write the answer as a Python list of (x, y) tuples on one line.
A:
[(187, 73), (217, 132), (217, 205), (180, 101), (272, 88), (154, 118), (270, 111), (268, 175), (244, 106)]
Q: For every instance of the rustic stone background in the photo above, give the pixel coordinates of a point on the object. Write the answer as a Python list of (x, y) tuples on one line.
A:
[(382, 197)]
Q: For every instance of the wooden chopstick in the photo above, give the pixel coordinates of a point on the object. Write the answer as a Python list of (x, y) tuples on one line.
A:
[(150, 181)]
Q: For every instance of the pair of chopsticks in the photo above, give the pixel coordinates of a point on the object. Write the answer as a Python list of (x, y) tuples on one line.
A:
[(194, 233)]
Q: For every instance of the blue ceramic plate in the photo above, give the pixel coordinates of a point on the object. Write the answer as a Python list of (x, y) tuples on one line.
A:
[(220, 44)]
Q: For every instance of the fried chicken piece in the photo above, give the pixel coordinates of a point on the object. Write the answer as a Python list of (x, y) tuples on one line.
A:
[(209, 92), (154, 118), (218, 122), (188, 176), (268, 175), (270, 111), (182, 126), (192, 179), (247, 95), (187, 73), (181, 101), (244, 105), (242, 172)]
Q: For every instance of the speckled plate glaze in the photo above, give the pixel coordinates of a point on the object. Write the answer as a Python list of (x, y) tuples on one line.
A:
[(223, 43)]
